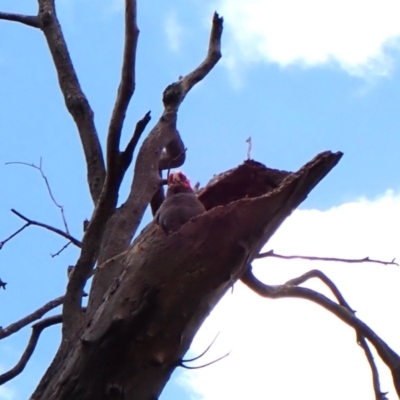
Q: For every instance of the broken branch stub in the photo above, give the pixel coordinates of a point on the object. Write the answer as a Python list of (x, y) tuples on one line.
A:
[(170, 284)]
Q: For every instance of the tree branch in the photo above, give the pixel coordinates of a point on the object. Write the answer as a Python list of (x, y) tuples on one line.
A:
[(126, 87), (126, 219), (36, 331), (315, 273), (271, 253), (379, 395), (61, 250), (16, 326), (76, 242), (388, 356), (2, 243), (30, 20), (75, 100), (46, 181), (127, 154), (165, 131)]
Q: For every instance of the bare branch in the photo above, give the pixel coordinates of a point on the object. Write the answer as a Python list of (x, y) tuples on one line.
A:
[(126, 219), (175, 93), (126, 86), (205, 365), (3, 284), (36, 331), (30, 20), (127, 154), (271, 253), (203, 353), (16, 326), (388, 356), (76, 242), (39, 168), (61, 250), (379, 395), (75, 100), (2, 243), (315, 273), (108, 199)]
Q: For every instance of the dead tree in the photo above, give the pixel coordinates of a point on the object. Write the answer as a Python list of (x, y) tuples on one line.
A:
[(149, 298)]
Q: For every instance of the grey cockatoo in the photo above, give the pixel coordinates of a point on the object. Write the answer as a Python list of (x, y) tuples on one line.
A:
[(180, 204)]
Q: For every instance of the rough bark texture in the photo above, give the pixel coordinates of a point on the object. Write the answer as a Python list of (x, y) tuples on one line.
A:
[(170, 283)]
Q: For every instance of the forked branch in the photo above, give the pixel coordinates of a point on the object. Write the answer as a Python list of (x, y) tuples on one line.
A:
[(16, 326), (75, 100), (36, 331), (183, 363), (126, 87), (146, 180), (379, 395), (29, 221), (388, 356), (315, 273)]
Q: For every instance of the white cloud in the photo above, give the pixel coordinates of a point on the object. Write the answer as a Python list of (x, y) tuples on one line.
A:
[(356, 35), (291, 348), (174, 32)]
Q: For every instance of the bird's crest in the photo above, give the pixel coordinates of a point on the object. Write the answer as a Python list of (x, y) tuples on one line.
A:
[(178, 178)]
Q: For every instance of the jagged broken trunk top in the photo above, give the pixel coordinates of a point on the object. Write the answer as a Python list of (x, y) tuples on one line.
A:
[(170, 283)]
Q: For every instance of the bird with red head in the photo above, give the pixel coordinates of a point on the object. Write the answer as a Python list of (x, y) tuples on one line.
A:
[(180, 204)]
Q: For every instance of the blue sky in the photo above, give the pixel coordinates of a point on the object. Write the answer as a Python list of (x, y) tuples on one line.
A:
[(297, 79)]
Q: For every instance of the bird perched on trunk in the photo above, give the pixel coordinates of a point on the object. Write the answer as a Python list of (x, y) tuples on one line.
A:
[(180, 204)]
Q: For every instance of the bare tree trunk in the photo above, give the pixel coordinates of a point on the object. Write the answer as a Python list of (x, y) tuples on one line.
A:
[(169, 284)]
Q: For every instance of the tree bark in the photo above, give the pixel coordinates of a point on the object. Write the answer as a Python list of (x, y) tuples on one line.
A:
[(170, 283)]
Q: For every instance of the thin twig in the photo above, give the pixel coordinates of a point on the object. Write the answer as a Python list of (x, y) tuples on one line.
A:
[(61, 250), (16, 326), (36, 331), (204, 352), (14, 234), (76, 242), (39, 168), (181, 364), (205, 365), (30, 20), (271, 253), (249, 146)]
